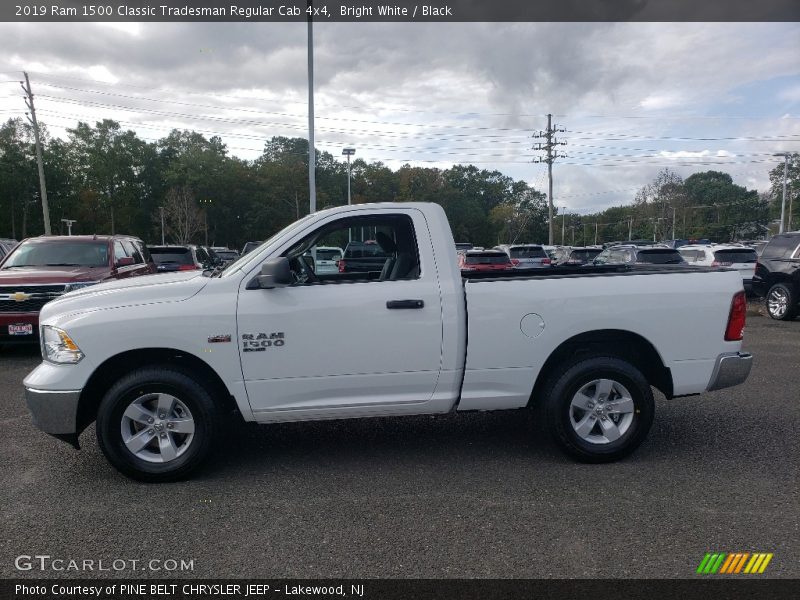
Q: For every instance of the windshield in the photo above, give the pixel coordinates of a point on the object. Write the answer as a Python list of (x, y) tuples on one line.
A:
[(527, 252), (40, 253), (660, 257), (246, 258)]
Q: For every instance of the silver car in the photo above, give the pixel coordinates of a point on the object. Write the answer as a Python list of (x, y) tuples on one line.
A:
[(526, 256)]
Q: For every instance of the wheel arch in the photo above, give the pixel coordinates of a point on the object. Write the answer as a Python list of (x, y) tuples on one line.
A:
[(114, 367), (609, 342)]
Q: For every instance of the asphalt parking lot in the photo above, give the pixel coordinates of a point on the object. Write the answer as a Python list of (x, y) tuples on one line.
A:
[(476, 495)]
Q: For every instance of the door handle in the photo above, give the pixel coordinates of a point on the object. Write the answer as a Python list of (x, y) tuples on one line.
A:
[(405, 304)]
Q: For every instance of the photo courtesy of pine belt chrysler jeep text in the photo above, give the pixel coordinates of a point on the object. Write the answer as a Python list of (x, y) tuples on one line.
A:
[(155, 360)]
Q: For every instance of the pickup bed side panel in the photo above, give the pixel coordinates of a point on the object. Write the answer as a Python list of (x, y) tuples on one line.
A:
[(515, 325)]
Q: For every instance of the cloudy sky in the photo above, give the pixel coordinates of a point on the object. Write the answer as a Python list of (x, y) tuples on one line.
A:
[(633, 97)]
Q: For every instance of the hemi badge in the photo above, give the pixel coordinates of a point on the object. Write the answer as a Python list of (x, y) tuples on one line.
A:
[(219, 339), (22, 296)]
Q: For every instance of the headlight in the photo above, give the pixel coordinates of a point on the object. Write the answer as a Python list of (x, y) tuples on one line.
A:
[(77, 285), (58, 347)]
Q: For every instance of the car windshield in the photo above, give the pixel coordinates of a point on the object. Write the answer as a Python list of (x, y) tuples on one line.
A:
[(43, 253), (736, 256), (666, 256), (527, 252), (180, 255)]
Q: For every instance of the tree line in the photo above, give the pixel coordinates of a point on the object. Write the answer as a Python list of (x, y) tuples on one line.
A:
[(110, 180)]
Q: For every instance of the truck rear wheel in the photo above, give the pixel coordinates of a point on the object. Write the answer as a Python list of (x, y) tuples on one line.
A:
[(600, 409), (156, 424)]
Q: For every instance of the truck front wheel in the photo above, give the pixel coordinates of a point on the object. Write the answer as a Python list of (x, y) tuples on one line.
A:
[(600, 409), (156, 424)]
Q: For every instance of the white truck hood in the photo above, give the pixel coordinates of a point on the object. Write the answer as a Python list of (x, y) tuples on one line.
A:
[(148, 289)]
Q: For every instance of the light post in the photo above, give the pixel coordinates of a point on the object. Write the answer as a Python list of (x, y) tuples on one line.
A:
[(563, 218), (348, 152), (69, 223), (161, 208), (205, 217), (785, 156)]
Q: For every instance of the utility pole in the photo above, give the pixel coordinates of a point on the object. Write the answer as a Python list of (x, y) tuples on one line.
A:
[(161, 208), (312, 153), (69, 223), (549, 146), (26, 87)]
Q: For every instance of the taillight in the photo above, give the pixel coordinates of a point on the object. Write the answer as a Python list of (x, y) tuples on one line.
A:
[(545, 261), (187, 268), (736, 319), (340, 265), (515, 261)]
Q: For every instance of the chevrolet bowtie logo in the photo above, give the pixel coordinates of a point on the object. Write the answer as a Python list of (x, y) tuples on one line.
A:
[(20, 296)]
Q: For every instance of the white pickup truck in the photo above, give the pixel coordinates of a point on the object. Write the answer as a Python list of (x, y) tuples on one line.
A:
[(156, 359)]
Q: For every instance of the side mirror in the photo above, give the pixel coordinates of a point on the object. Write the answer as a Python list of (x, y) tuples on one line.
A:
[(125, 261), (275, 273)]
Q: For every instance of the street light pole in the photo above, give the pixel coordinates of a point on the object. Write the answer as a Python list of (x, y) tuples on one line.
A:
[(348, 152), (205, 201), (785, 156), (563, 218), (161, 208), (312, 152), (69, 223)]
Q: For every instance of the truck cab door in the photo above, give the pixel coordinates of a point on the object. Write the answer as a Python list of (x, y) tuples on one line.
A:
[(365, 340)]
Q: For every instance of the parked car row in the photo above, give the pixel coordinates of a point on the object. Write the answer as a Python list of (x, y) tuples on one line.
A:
[(37, 270)]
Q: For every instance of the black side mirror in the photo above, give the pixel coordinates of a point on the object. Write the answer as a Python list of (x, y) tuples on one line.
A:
[(275, 273)]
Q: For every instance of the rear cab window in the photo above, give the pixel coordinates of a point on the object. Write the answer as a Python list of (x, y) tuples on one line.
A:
[(735, 256), (692, 255), (177, 254)]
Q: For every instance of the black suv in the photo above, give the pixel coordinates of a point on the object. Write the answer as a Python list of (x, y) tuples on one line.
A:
[(777, 276)]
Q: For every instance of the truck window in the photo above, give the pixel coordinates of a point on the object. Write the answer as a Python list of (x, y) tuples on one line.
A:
[(376, 248)]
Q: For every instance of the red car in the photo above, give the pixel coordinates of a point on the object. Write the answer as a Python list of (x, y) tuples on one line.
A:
[(484, 260), (41, 269)]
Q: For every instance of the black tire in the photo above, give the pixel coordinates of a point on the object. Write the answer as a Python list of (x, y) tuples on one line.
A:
[(143, 384), (558, 394), (791, 302)]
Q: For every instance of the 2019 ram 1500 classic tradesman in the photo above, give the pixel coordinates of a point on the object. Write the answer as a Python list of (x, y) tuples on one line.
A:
[(154, 360)]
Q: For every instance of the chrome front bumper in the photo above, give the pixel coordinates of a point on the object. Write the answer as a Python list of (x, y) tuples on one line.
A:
[(730, 370), (54, 412)]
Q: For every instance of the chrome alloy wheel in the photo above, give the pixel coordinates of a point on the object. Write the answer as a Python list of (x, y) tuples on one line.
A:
[(157, 428), (602, 411), (777, 302)]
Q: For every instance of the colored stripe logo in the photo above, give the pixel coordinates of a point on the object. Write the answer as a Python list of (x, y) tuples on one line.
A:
[(734, 563)]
